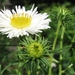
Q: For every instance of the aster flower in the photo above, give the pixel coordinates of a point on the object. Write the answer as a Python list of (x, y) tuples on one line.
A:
[(19, 22), (35, 49), (35, 54)]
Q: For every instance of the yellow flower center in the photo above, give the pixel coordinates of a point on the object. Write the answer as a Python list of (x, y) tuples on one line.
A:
[(20, 21)]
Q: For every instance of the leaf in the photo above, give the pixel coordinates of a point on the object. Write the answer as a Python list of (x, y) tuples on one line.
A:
[(45, 61), (72, 72)]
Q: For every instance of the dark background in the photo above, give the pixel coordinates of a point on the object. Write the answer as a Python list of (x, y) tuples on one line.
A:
[(10, 3), (22, 2)]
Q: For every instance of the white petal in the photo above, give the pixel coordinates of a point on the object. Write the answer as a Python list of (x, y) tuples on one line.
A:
[(39, 22)]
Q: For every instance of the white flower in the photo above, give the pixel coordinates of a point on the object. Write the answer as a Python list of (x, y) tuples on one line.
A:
[(19, 22)]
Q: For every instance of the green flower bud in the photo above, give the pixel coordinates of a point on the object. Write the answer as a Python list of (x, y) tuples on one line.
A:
[(35, 49)]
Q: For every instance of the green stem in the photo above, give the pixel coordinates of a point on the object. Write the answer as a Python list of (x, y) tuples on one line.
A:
[(5, 68), (61, 46), (28, 72), (0, 69), (57, 31), (68, 67), (54, 44), (50, 68)]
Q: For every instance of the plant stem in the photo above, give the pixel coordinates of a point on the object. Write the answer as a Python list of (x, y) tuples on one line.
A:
[(5, 68), (54, 44), (28, 72), (57, 31), (61, 46), (68, 67), (0, 69)]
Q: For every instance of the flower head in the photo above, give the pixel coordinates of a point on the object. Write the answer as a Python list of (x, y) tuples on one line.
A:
[(35, 51), (34, 48), (19, 22)]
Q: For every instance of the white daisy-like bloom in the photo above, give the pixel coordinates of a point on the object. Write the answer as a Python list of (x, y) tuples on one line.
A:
[(19, 21)]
